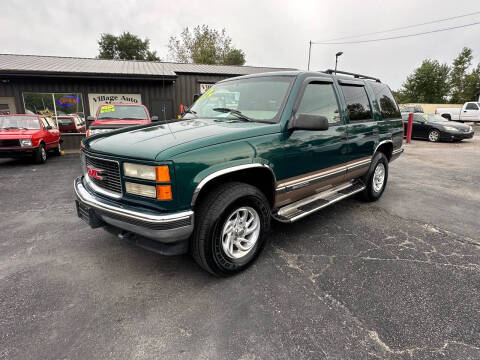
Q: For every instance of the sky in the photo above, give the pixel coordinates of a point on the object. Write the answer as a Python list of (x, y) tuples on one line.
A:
[(271, 33)]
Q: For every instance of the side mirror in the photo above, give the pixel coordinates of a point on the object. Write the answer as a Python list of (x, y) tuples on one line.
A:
[(195, 97), (154, 118), (309, 122)]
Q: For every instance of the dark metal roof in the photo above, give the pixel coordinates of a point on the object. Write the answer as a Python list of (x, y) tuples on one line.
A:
[(51, 65)]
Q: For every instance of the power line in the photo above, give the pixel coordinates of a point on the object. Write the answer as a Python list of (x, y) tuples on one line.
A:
[(395, 37), (402, 27)]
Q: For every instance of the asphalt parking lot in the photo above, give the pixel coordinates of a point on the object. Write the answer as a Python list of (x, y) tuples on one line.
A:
[(395, 279)]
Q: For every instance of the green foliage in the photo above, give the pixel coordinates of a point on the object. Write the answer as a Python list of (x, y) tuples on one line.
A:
[(126, 46), (433, 82), (204, 45), (427, 84), (458, 74)]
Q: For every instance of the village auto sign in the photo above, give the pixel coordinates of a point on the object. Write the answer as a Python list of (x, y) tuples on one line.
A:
[(95, 100)]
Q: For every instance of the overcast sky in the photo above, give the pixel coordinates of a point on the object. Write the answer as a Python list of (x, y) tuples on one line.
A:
[(271, 32)]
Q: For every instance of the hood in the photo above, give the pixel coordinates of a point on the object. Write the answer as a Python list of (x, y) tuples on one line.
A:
[(18, 133), (456, 125), (161, 142), (118, 122)]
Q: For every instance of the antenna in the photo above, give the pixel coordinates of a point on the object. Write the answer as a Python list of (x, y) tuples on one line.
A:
[(163, 105)]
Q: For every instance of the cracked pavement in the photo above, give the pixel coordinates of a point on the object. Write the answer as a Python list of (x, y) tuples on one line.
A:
[(395, 279)]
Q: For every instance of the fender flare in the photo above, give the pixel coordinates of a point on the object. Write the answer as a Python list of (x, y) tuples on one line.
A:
[(224, 171)]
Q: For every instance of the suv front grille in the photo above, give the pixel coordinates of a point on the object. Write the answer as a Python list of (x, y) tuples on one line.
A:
[(10, 142), (109, 172)]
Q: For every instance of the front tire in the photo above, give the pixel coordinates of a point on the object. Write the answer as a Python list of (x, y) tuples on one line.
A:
[(40, 156), (230, 228), (376, 178), (434, 135)]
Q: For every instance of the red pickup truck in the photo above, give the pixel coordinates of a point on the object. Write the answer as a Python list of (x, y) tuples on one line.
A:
[(114, 116), (28, 135)]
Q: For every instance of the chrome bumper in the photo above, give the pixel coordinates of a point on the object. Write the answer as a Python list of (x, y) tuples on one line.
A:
[(166, 228)]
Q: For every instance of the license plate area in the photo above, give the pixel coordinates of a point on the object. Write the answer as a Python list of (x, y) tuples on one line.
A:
[(88, 215)]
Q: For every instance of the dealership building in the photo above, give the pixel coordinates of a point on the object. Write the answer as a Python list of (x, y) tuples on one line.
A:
[(54, 85)]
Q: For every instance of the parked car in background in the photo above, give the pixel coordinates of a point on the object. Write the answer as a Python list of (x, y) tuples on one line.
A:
[(71, 124), (435, 128), (411, 109), (281, 145), (470, 112), (115, 116), (28, 135)]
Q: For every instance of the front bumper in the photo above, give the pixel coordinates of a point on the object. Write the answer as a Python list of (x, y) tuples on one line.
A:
[(164, 228), (450, 136), (17, 151)]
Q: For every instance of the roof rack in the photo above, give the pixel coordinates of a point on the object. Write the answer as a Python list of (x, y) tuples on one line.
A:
[(358, 76)]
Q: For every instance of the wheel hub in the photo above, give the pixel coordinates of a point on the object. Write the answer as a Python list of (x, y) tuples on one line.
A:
[(240, 232), (378, 177)]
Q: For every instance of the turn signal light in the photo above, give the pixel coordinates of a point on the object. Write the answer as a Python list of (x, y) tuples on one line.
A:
[(164, 192), (162, 174)]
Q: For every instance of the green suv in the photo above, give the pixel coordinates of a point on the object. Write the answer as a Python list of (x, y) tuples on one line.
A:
[(276, 145)]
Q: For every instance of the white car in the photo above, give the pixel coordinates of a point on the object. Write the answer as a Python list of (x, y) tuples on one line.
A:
[(470, 112)]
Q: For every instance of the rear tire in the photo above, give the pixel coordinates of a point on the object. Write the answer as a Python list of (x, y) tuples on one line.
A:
[(58, 150), (376, 178), (230, 228), (40, 156)]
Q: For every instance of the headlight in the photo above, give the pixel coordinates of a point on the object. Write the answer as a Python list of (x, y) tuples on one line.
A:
[(99, 131), (25, 142), (146, 172), (450, 128), (140, 189)]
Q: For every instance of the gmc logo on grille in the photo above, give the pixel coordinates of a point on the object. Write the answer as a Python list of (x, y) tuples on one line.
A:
[(94, 173)]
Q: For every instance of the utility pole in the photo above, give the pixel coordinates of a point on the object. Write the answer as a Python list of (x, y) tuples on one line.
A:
[(309, 53), (340, 53)]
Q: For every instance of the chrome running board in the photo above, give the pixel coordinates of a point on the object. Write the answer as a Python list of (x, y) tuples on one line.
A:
[(299, 209)]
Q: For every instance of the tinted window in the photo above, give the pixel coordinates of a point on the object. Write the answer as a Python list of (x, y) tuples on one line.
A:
[(357, 103), (472, 106), (388, 106), (320, 99)]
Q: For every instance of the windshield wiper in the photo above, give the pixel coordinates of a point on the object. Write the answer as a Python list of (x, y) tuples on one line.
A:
[(189, 111), (238, 113)]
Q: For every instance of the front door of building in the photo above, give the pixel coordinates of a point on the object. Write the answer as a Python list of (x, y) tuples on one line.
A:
[(7, 105)]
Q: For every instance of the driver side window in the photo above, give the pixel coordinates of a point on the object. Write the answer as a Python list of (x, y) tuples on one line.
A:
[(320, 99)]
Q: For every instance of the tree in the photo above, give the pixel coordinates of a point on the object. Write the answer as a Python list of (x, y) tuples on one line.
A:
[(458, 74), (126, 46), (471, 86), (204, 45), (427, 84)]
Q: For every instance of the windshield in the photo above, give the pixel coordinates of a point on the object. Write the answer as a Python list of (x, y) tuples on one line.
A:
[(257, 99), (66, 121), (432, 118), (19, 122), (122, 112)]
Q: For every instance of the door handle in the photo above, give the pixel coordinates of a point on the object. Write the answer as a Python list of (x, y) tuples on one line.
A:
[(344, 137), (375, 131)]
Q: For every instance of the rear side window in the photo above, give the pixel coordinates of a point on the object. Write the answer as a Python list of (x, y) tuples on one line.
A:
[(471, 106), (357, 103), (388, 106), (320, 99)]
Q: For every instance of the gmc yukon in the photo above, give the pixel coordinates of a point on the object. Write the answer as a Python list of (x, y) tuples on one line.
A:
[(253, 148)]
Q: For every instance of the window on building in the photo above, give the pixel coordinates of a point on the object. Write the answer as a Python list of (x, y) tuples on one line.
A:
[(53, 105), (320, 99), (388, 106), (357, 103)]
